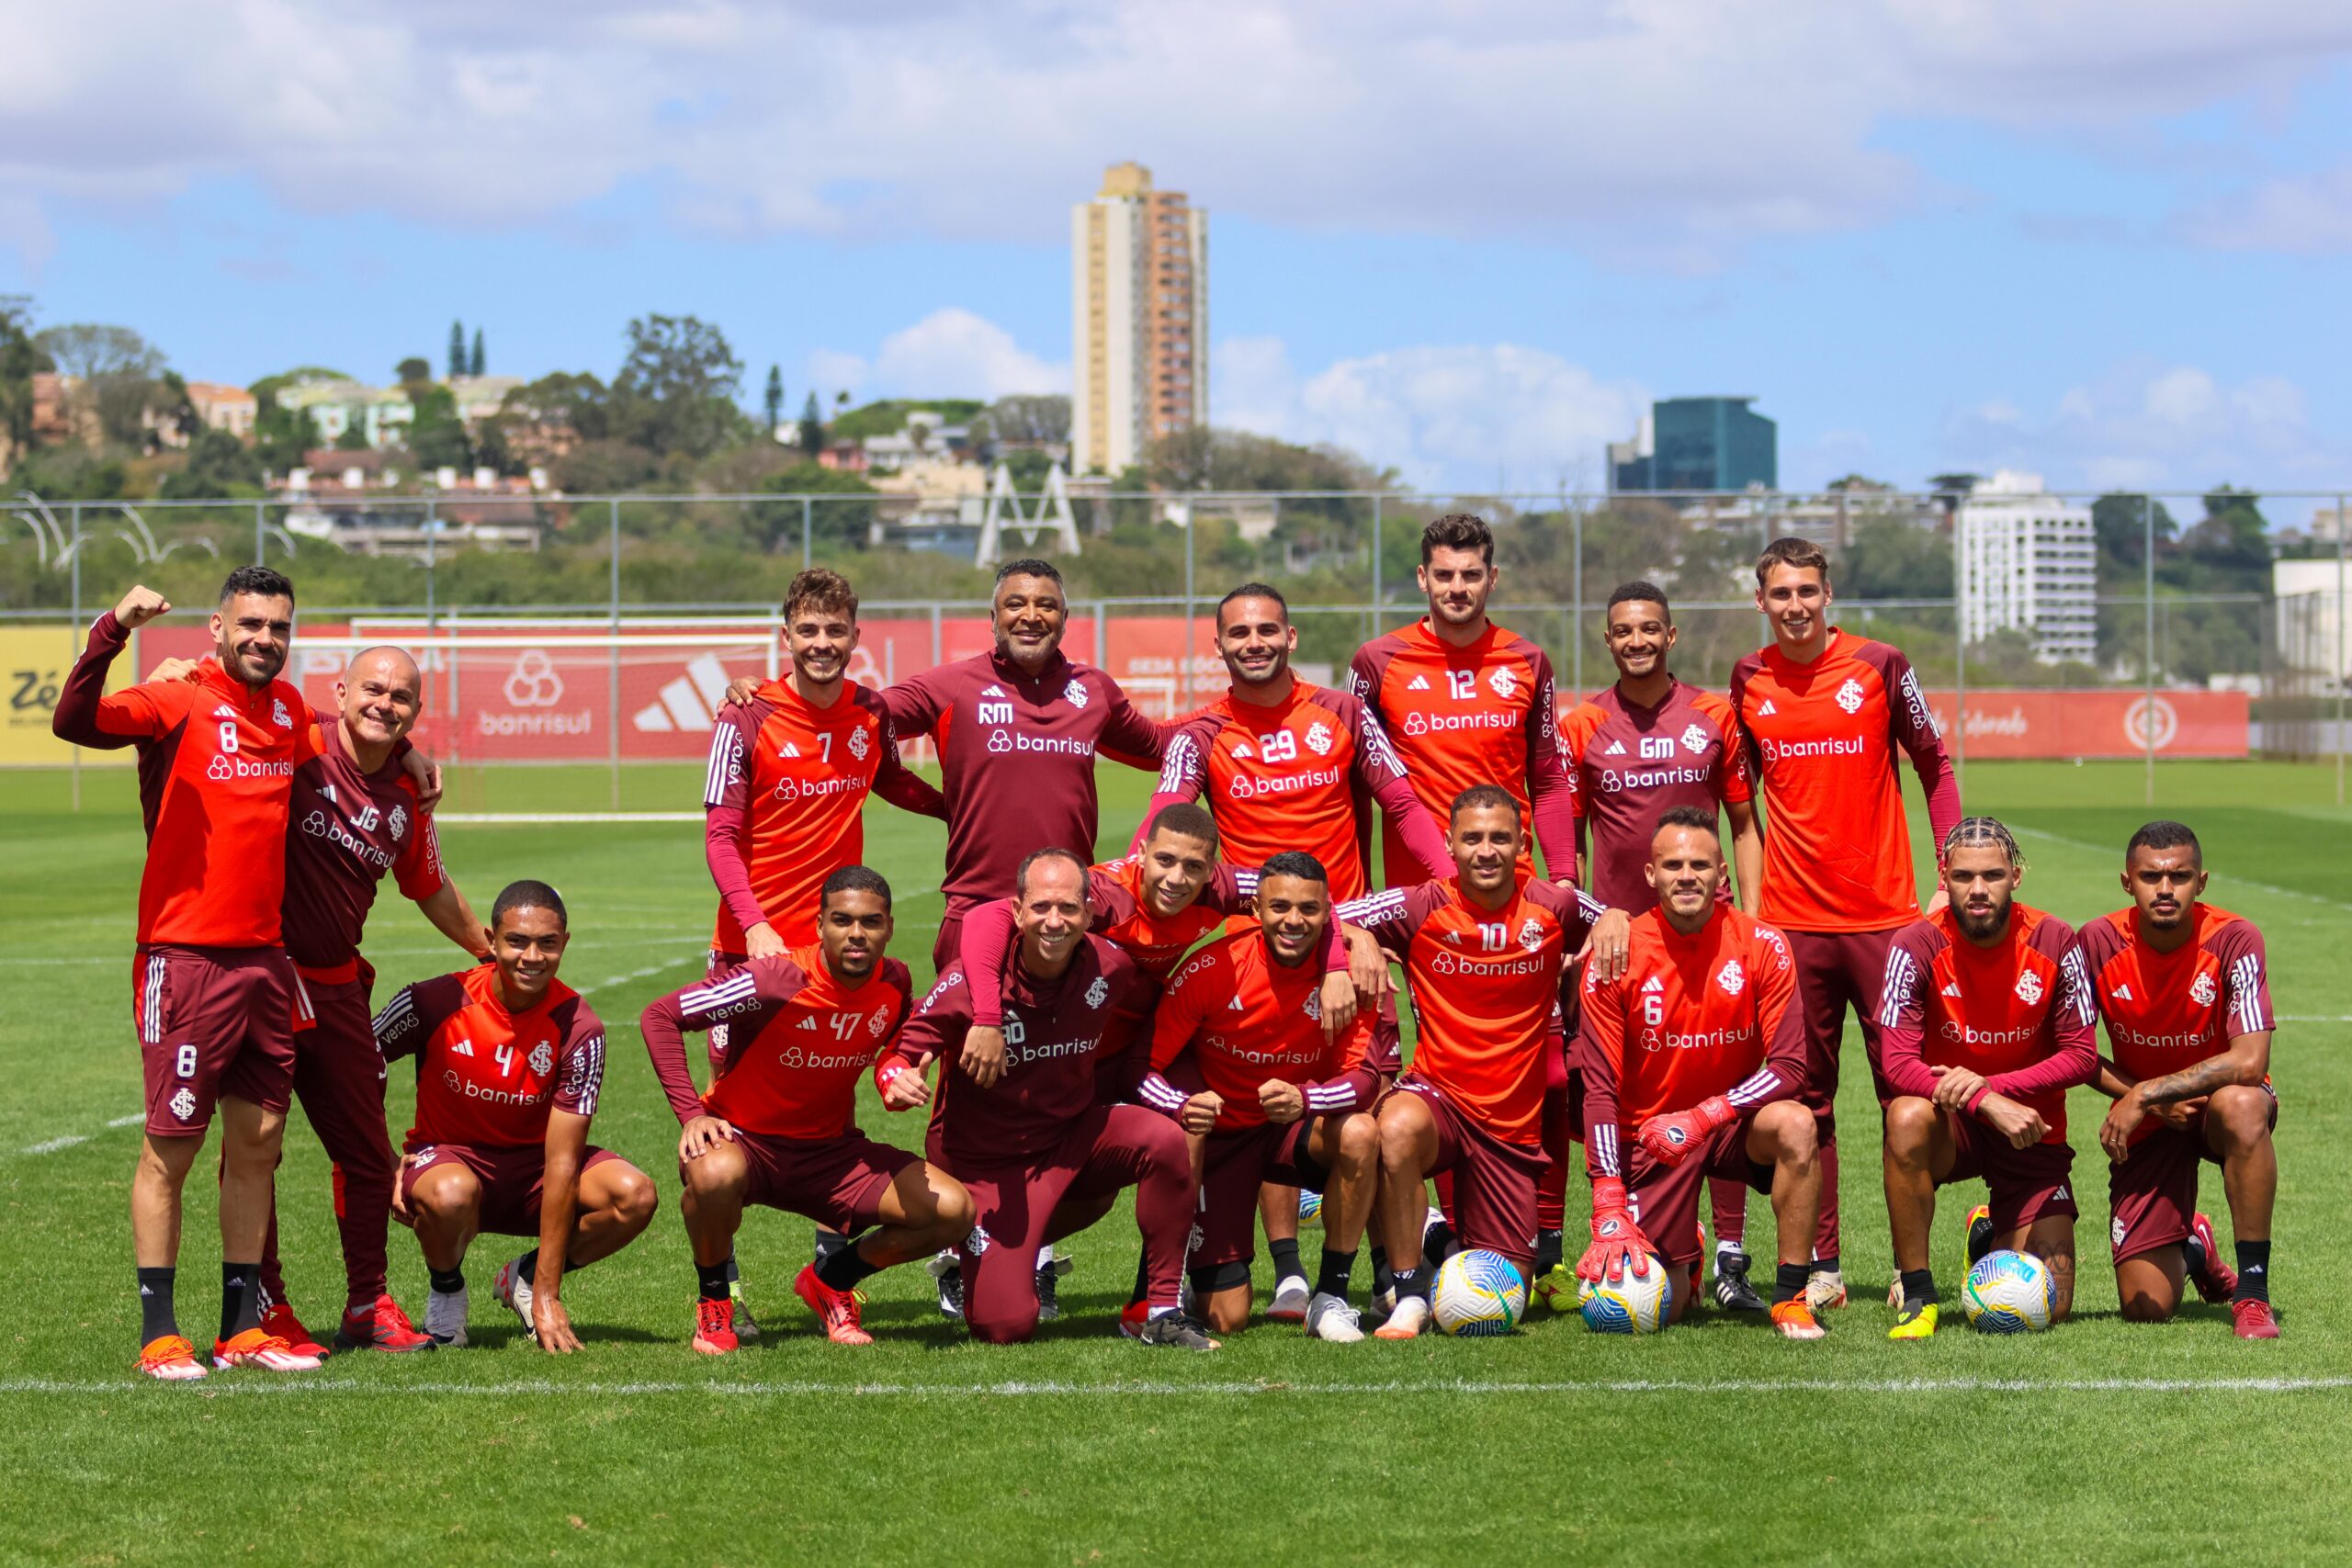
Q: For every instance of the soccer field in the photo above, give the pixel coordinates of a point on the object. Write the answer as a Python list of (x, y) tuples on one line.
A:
[(2096, 1442)]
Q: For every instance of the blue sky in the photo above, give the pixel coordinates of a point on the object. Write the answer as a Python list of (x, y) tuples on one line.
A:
[(1468, 240)]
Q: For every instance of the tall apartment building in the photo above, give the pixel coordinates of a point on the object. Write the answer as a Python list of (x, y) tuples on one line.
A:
[(2029, 562), (1139, 320), (1697, 444)]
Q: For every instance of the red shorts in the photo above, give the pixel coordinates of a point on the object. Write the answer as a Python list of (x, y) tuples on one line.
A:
[(2023, 1185), (213, 1021), (838, 1182), (1233, 1167), (1836, 970), (1666, 1197), (947, 947), (510, 1179), (2153, 1193), (1494, 1181)]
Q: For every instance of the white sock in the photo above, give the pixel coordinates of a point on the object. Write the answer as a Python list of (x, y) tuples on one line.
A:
[(1045, 1258), (1157, 1312)]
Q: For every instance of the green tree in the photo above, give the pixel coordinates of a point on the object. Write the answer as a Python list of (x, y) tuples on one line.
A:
[(352, 438), (283, 437), (115, 369), (773, 401), (21, 359), (457, 348), (812, 426), (839, 522), (675, 394), (218, 464), (436, 436), (1890, 557), (413, 371), (2119, 522), (476, 363)]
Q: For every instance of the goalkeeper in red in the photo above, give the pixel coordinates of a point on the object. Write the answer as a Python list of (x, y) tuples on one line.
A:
[(1693, 1062), (2185, 993), (1987, 1024)]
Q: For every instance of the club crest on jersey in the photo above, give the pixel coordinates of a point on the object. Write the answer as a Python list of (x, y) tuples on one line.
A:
[(859, 744), (878, 1022), (1075, 693), (1850, 695), (1098, 993), (1694, 740), (1531, 935), (1319, 738), (398, 822), (2029, 987), (1732, 978), (1502, 682), (999, 741), (542, 1059), (277, 713), (1314, 1006), (184, 1103), (2201, 990)]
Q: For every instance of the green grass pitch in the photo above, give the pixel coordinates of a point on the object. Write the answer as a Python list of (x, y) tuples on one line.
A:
[(2099, 1442)]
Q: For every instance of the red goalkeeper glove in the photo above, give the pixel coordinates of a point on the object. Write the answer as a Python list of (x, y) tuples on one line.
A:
[(1668, 1139), (1617, 1242)]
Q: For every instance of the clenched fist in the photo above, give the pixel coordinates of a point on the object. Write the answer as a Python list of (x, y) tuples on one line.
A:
[(139, 606)]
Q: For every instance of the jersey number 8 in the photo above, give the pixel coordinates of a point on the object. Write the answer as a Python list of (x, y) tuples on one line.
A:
[(228, 735)]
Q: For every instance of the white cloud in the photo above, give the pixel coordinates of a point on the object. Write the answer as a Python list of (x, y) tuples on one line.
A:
[(1471, 417), (2149, 425), (1666, 132), (2302, 214), (950, 352)]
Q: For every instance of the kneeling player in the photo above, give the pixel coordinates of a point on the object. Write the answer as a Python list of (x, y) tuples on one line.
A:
[(509, 1064), (1281, 1104), (777, 1126), (2182, 987), (1699, 1051), (1987, 1020), (1037, 1132)]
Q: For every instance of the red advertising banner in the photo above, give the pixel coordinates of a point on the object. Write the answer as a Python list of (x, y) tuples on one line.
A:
[(2004, 724)]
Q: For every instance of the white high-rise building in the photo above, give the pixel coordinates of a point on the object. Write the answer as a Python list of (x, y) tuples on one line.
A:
[(1139, 320), (2029, 560)]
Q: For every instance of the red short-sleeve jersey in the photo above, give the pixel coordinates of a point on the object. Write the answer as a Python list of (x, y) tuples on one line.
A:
[(1247, 1019), (2169, 1010), (1633, 764), (1695, 1016), (487, 1077)]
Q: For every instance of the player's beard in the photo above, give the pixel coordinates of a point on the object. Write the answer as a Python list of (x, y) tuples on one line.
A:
[(257, 669), (1984, 927), (1271, 674)]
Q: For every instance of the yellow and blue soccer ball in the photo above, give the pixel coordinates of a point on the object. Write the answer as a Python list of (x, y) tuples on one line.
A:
[(1630, 1303), (1477, 1292), (1310, 1206), (2009, 1293)]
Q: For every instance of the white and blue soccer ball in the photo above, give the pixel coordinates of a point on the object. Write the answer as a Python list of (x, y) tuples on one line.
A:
[(1310, 1206), (2009, 1293), (1477, 1293), (1630, 1303)]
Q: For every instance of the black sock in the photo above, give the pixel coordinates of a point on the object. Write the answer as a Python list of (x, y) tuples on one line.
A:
[(239, 1298), (1919, 1286), (1788, 1282), (1384, 1278), (1286, 1261), (1436, 1242), (1338, 1271), (2254, 1271), (1826, 1265), (447, 1281), (1143, 1279), (156, 1320), (1410, 1284), (527, 1268), (844, 1268), (828, 1242), (733, 1273), (710, 1279), (2193, 1258), (1548, 1248)]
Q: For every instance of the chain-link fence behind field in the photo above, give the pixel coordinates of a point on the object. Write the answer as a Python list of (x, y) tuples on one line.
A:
[(2042, 624)]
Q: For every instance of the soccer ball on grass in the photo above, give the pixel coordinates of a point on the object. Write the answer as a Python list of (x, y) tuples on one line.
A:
[(1629, 1303), (1477, 1293), (2009, 1293)]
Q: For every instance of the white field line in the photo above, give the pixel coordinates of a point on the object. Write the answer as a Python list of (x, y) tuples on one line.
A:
[(555, 818), (2228, 881), (296, 1385), (585, 944)]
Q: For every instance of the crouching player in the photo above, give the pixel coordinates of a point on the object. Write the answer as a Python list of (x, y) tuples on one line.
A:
[(2182, 987), (778, 1124), (1484, 951), (509, 1064), (1987, 1024), (1699, 1052), (1283, 1103), (1038, 1132)]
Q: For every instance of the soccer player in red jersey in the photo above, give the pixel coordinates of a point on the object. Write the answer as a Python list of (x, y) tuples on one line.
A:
[(510, 1063), (214, 996), (1635, 750), (1042, 1139), (1282, 1102), (1824, 715), (1018, 730), (1484, 953), (1694, 1057), (778, 1126), (2185, 992), (1986, 1023), (1466, 702)]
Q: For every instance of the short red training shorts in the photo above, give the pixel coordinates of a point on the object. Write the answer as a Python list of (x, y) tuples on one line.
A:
[(1494, 1181), (510, 1179), (213, 1021)]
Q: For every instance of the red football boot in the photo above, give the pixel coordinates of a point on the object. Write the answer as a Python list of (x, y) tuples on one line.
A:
[(2253, 1320), (2217, 1282), (382, 1326), (715, 1326), (280, 1321), (837, 1310)]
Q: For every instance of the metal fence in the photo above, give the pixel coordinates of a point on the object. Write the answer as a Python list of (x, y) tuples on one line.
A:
[(2164, 613)]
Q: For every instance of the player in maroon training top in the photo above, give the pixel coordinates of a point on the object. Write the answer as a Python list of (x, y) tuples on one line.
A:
[(1826, 715), (1637, 750), (214, 996), (1044, 1140), (778, 1126), (510, 1064), (2185, 993), (1018, 731), (1987, 1022)]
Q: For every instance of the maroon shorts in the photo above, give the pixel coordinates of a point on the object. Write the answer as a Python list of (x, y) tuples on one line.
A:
[(2023, 1185), (213, 1021), (838, 1182), (1494, 1181), (2153, 1194), (1666, 1197), (1836, 970), (510, 1179), (947, 947), (1233, 1167)]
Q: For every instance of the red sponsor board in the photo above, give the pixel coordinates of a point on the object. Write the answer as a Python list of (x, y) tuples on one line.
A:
[(2023, 724)]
